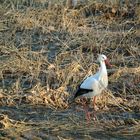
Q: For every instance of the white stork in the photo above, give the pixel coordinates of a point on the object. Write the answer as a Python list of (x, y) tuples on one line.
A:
[(94, 84)]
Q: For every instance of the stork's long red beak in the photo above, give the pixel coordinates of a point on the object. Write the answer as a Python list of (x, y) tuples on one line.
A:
[(108, 63)]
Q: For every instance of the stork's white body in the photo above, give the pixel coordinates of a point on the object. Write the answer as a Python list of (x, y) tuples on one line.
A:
[(97, 82), (94, 84)]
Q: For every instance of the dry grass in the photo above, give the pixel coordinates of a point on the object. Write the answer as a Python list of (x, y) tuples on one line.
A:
[(47, 49)]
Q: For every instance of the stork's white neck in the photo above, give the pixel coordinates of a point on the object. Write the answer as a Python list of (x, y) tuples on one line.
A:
[(102, 69)]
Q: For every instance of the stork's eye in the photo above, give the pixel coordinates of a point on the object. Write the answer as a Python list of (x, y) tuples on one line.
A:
[(103, 57)]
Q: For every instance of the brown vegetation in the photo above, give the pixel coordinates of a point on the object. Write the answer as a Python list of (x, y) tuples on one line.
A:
[(46, 49)]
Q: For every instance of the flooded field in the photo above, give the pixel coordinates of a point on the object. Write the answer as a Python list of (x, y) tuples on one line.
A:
[(47, 48)]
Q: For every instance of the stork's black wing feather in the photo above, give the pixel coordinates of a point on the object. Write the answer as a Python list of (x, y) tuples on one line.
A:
[(82, 91)]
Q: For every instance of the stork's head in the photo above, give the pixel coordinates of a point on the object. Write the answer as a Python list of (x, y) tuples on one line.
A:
[(103, 58)]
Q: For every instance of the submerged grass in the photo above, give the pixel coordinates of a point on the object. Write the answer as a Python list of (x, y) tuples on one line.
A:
[(46, 49)]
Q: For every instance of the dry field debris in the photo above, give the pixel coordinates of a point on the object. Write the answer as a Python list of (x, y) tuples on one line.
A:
[(47, 48)]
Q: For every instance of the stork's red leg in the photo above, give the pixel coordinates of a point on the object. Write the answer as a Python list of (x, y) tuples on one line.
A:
[(87, 112), (94, 103)]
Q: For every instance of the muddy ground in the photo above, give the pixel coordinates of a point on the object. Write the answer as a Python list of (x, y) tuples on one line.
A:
[(45, 52)]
